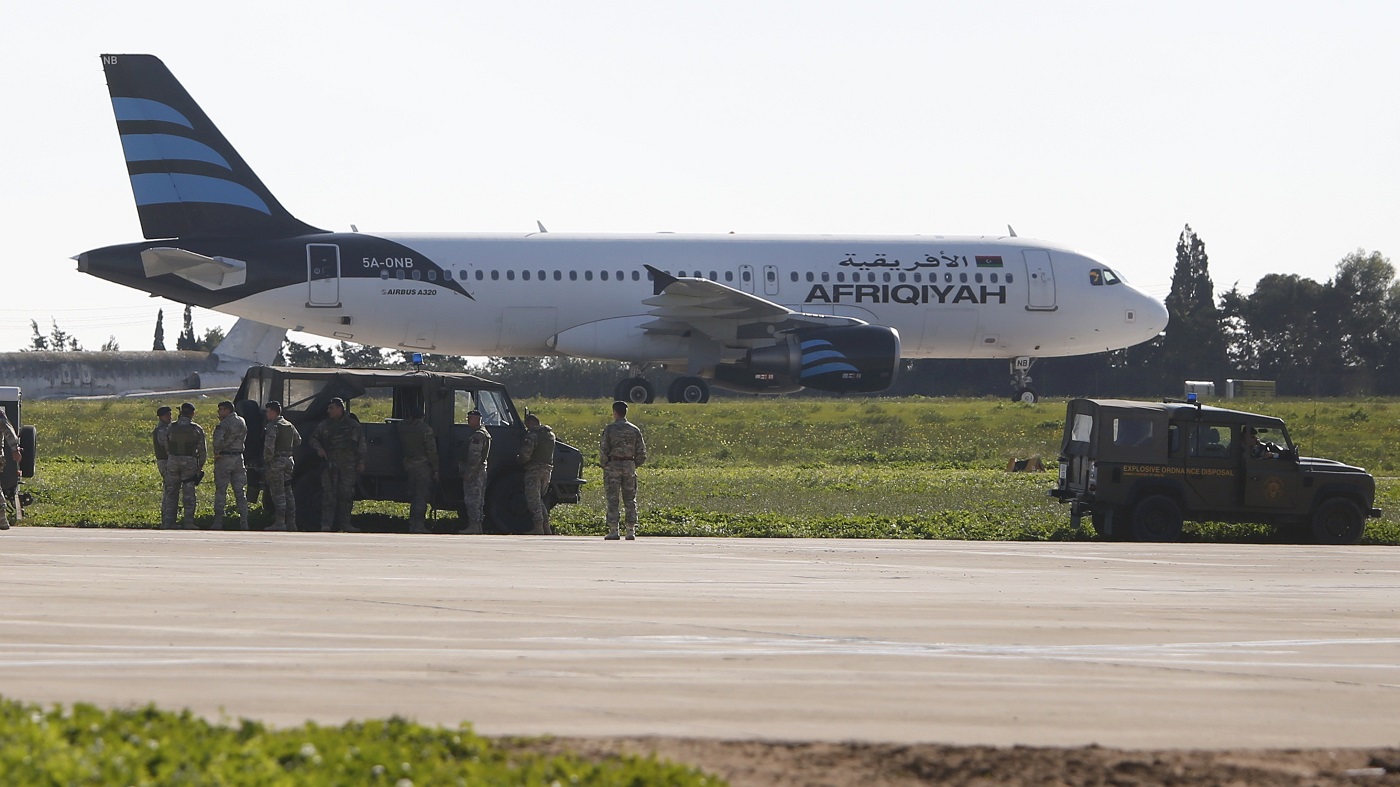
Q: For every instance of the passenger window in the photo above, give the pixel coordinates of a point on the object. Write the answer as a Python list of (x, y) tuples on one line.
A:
[(510, 275), (432, 275), (1132, 432), (525, 275), (840, 276), (1008, 278), (384, 274), (558, 276), (636, 276), (1082, 428), (495, 275), (1210, 442), (588, 275), (794, 275), (603, 275), (417, 275), (480, 275)]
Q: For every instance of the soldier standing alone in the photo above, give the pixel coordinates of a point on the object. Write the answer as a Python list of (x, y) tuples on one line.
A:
[(472, 454), (621, 452), (280, 441), (158, 436), (537, 455), (183, 468), (420, 464), (230, 434), (340, 442)]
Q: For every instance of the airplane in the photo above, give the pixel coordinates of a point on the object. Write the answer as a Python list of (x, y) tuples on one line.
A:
[(751, 313), (84, 374)]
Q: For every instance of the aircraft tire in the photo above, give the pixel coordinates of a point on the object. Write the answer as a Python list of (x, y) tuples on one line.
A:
[(688, 390), (28, 445), (635, 390), (1025, 395)]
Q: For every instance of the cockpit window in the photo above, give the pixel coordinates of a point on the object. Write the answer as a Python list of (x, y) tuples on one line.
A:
[(1101, 276)]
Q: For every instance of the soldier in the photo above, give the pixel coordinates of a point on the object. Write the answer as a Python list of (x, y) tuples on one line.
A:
[(420, 464), (472, 453), (621, 452), (340, 442), (184, 467), (537, 455), (229, 436), (158, 436), (280, 441), (9, 453)]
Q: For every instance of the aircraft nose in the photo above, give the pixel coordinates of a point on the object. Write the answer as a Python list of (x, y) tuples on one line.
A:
[(1151, 315)]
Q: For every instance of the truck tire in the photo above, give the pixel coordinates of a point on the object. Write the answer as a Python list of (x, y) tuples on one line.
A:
[(1338, 521), (506, 512), (28, 444), (1157, 518)]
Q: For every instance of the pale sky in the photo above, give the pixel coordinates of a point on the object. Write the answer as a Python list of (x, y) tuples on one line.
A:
[(1272, 128)]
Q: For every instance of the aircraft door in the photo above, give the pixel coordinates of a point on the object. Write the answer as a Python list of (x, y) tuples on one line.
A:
[(322, 274), (746, 277), (770, 279), (1040, 272)]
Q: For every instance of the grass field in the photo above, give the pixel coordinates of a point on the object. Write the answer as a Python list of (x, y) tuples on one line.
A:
[(875, 468)]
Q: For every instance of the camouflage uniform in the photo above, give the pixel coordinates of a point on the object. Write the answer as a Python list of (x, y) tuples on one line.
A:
[(229, 436), (280, 440), (158, 440), (537, 455), (420, 464), (622, 450), (9, 446), (343, 441), (472, 454), (186, 444)]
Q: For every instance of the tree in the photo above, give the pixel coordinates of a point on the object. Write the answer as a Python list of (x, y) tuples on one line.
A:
[(159, 343), (39, 342), (1281, 323), (187, 340), (210, 340), (360, 356), (111, 346), (311, 355), (1194, 344)]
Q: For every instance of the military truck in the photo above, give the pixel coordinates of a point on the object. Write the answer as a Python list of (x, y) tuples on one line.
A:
[(11, 401), (1141, 469), (379, 399)]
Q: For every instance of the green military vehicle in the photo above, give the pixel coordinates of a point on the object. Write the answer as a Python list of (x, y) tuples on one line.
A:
[(379, 399), (10, 477), (1141, 469)]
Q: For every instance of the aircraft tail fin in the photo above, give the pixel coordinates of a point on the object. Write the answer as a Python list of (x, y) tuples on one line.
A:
[(188, 180)]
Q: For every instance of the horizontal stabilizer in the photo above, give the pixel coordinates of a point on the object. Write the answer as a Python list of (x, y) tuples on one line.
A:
[(211, 273)]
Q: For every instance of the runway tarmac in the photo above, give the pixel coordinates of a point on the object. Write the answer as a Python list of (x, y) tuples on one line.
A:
[(1128, 645)]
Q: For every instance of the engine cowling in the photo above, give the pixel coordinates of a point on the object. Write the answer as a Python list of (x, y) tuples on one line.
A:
[(847, 359)]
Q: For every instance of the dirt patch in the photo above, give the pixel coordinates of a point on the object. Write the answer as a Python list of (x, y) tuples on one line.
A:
[(816, 764)]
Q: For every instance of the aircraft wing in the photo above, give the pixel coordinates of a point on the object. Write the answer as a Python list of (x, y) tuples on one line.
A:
[(681, 305)]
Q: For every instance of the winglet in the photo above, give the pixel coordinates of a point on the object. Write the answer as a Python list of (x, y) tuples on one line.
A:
[(1011, 230), (661, 280), (540, 224)]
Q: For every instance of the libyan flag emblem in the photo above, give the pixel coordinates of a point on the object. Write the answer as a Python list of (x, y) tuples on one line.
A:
[(991, 261)]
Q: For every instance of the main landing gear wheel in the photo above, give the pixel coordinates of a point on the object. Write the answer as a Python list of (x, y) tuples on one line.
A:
[(635, 390), (1021, 380), (1025, 395), (688, 390)]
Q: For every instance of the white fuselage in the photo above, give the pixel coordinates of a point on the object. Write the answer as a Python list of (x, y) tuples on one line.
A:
[(1022, 298)]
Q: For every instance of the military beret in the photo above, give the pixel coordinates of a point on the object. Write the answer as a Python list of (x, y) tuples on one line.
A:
[(476, 413), (163, 410)]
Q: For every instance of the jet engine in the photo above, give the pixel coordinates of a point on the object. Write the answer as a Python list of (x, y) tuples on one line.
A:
[(847, 359)]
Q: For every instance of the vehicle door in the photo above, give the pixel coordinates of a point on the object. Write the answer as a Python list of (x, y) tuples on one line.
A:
[(323, 275), (1271, 478), (1212, 466)]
